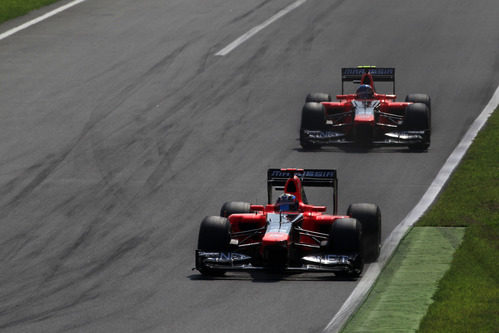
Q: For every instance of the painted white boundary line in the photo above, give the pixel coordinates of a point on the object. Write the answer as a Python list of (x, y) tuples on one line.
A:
[(39, 19), (226, 50), (360, 292)]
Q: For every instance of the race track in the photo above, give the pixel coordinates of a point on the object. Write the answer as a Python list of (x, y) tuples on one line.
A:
[(120, 130)]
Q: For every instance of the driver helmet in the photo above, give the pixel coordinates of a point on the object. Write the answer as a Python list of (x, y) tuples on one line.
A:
[(286, 203), (365, 91)]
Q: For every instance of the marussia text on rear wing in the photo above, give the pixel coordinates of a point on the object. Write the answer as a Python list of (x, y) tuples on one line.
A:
[(378, 73), (308, 177), (383, 74)]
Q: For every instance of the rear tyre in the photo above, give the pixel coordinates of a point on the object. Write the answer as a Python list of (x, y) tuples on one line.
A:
[(312, 118), (417, 118), (345, 237), (214, 236), (419, 98), (369, 216), (318, 97), (235, 207)]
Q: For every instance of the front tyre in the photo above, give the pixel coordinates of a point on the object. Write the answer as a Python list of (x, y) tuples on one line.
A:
[(417, 118), (421, 98), (214, 236), (369, 216), (312, 119), (345, 237)]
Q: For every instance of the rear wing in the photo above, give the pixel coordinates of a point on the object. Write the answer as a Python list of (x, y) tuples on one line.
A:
[(354, 74), (308, 177)]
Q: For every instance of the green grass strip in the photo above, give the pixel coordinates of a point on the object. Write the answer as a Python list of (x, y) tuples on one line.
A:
[(10, 9), (402, 294), (468, 296)]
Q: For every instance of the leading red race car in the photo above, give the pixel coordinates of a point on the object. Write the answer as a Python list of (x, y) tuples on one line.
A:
[(290, 235), (366, 117)]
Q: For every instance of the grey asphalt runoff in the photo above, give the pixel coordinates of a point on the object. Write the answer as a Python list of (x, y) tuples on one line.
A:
[(120, 130)]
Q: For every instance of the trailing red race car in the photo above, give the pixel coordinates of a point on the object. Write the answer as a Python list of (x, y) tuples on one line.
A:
[(290, 235), (366, 117)]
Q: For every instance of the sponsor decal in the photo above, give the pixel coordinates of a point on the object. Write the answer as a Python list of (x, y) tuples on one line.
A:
[(323, 134), (223, 257), (320, 174), (279, 173), (328, 259), (353, 71), (373, 71), (406, 135), (227, 256), (306, 173), (382, 71)]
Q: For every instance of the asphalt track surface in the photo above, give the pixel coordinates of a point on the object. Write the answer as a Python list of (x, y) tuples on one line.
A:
[(121, 130)]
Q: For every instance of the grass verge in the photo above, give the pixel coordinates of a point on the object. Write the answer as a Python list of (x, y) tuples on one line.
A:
[(10, 9), (426, 286), (467, 299), (404, 290)]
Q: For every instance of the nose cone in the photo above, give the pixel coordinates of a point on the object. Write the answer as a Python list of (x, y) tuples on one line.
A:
[(275, 249), (364, 111), (364, 118), (275, 238)]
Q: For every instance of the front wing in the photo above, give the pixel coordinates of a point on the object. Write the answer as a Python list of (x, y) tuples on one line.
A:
[(394, 138), (232, 261)]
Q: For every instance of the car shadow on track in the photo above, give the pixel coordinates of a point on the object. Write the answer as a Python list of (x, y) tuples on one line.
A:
[(360, 150), (269, 277)]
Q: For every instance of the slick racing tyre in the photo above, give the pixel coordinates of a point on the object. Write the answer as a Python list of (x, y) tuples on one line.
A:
[(421, 98), (417, 118), (235, 207), (345, 237), (369, 216), (214, 236), (312, 118), (318, 97)]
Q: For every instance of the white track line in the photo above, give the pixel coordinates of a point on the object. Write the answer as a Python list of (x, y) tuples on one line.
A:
[(226, 50), (39, 19), (360, 292)]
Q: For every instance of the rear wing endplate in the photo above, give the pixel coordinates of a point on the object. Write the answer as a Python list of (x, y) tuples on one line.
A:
[(308, 177), (354, 74)]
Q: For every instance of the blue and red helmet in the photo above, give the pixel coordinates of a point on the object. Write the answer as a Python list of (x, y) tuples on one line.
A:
[(365, 91), (286, 203)]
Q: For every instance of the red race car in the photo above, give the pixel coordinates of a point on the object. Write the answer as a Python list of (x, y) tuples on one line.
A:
[(290, 235), (366, 117)]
